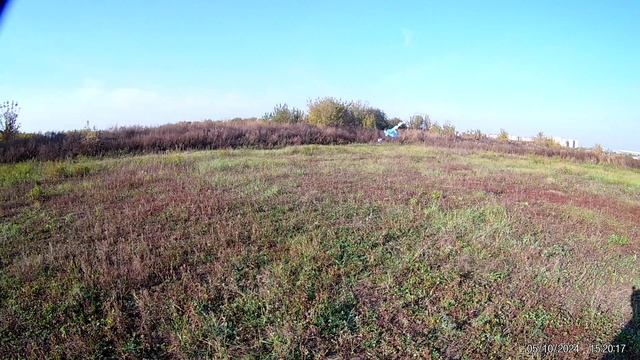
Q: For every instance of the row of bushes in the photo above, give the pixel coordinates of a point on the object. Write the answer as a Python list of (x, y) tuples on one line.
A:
[(253, 133), (181, 136)]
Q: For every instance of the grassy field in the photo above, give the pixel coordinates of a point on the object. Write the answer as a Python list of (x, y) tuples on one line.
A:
[(317, 251)]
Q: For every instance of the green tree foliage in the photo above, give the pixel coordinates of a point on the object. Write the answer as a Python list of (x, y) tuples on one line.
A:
[(420, 122), (9, 126), (284, 115), (329, 111), (367, 116), (394, 121)]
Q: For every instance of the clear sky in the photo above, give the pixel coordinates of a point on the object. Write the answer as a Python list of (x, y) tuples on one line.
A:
[(567, 68)]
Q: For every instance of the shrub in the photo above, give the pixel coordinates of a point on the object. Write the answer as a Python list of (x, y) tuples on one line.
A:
[(474, 135), (435, 128), (329, 111), (598, 149), (283, 115), (503, 136), (449, 131), (542, 139)]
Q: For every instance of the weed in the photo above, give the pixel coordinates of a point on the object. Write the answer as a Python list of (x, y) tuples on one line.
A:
[(37, 193), (616, 239)]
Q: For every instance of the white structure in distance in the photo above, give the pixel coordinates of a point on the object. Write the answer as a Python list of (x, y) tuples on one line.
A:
[(633, 154), (569, 143)]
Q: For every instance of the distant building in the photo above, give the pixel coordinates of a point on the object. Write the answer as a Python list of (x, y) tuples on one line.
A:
[(633, 154), (520, 138), (512, 138), (569, 143)]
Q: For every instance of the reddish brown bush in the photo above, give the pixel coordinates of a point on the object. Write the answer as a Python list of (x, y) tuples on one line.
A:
[(181, 136)]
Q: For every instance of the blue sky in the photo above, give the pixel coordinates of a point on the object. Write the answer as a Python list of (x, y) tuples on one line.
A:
[(567, 68)]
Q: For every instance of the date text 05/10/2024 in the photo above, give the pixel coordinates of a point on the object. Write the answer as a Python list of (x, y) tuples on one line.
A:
[(575, 348)]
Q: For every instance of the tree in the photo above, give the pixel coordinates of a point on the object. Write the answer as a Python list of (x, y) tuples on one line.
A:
[(416, 122), (282, 114), (394, 121), (427, 122), (367, 116), (329, 111), (420, 122), (9, 126)]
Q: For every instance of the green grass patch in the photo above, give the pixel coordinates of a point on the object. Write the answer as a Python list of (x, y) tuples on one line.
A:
[(616, 239)]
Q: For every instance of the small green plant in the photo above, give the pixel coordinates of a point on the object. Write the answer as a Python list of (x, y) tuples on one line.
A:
[(37, 193), (335, 316), (57, 171), (616, 239), (62, 170), (84, 170)]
